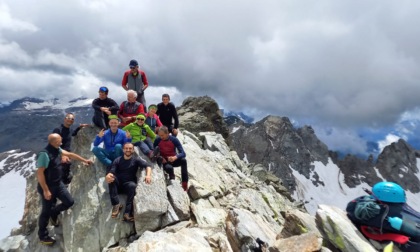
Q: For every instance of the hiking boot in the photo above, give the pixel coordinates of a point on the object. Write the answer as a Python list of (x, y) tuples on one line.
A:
[(116, 210), (54, 221), (159, 161), (128, 218), (184, 186), (155, 154), (49, 241)]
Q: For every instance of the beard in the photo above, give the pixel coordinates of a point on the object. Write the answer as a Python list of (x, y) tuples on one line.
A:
[(128, 154)]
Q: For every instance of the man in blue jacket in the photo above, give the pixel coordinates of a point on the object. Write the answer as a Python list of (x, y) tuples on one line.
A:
[(113, 139)]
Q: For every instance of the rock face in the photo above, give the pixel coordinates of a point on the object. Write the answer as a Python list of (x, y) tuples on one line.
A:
[(280, 148), (274, 143), (398, 162), (201, 114)]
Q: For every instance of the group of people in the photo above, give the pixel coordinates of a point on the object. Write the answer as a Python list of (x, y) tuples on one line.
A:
[(121, 128)]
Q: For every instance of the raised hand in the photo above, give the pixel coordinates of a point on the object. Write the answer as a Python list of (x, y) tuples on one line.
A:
[(101, 133)]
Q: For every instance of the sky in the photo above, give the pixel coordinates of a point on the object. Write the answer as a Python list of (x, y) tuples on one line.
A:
[(348, 68)]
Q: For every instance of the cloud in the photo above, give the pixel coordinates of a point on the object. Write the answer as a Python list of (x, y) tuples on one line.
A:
[(337, 65), (389, 139)]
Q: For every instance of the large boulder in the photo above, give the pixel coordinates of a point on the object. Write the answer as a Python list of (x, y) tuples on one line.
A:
[(199, 114), (340, 231)]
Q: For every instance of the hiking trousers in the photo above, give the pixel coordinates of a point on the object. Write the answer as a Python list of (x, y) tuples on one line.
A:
[(106, 157), (169, 168), (126, 187), (145, 146), (49, 209)]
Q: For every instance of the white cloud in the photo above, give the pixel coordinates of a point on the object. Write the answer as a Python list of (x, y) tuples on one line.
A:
[(7, 22), (389, 139)]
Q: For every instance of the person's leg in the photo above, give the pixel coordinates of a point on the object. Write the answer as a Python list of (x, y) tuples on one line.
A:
[(149, 143), (142, 100), (129, 189), (44, 215), (144, 148), (67, 173), (102, 155), (99, 120), (184, 171), (168, 168), (113, 192), (66, 199), (118, 150)]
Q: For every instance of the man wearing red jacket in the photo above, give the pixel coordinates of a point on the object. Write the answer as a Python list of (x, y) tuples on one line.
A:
[(136, 80)]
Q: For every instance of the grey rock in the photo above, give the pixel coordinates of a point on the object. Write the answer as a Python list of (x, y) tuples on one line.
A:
[(244, 227), (339, 230), (308, 242), (180, 201), (201, 114), (206, 215)]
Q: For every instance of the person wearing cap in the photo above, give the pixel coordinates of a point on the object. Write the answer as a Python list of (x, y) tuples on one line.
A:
[(103, 107), (166, 111), (136, 80), (152, 119), (140, 132), (130, 109), (113, 139)]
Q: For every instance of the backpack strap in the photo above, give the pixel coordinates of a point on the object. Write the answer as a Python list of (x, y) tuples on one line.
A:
[(374, 234)]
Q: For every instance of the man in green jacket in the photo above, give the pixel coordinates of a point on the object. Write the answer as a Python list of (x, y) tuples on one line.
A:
[(142, 136)]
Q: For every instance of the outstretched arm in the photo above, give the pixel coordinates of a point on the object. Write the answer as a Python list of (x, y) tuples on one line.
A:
[(75, 156)]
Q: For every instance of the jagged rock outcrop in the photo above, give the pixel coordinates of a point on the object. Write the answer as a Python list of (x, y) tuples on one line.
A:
[(398, 163), (356, 170), (202, 114), (277, 145)]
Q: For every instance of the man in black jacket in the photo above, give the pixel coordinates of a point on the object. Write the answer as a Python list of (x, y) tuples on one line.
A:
[(122, 178), (66, 133), (51, 187), (166, 111), (103, 107)]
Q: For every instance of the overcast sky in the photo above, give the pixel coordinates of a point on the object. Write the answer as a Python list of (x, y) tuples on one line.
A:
[(338, 65)]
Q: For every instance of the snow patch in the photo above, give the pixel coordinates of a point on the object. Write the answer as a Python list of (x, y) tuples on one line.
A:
[(12, 188), (245, 159), (235, 129)]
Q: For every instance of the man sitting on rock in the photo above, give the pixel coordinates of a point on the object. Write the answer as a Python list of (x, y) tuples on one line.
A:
[(103, 107), (166, 111), (51, 186), (139, 132), (122, 178), (113, 139), (168, 147), (130, 109)]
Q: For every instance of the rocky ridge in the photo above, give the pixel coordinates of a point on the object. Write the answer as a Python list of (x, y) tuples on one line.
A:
[(226, 209), (281, 148)]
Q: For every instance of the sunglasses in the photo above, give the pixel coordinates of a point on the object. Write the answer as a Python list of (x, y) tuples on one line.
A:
[(140, 119), (132, 67), (70, 118)]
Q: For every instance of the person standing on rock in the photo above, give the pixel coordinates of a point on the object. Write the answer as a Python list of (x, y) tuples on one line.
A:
[(50, 185), (122, 178), (166, 111), (66, 133), (172, 155), (135, 79), (130, 109), (103, 107), (113, 138)]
